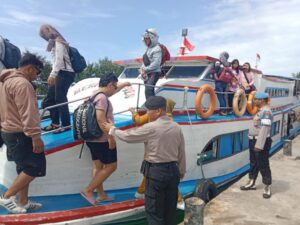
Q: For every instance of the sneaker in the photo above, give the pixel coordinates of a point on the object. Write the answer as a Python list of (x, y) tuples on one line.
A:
[(249, 186), (32, 205), (50, 127), (267, 191), (223, 113), (11, 205), (181, 205), (139, 195)]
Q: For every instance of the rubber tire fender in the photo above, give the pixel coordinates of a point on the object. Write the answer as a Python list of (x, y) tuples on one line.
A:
[(205, 189)]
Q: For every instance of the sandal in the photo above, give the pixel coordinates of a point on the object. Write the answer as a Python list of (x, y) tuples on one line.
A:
[(106, 199), (50, 127), (60, 130), (90, 200)]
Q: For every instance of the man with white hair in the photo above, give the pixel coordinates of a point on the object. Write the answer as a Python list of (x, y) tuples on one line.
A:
[(151, 70)]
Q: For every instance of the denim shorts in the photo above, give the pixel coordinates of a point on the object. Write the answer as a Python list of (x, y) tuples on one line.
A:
[(20, 150)]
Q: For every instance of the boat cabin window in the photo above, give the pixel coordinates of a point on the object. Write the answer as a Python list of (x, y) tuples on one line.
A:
[(210, 151), (224, 146), (130, 73), (165, 70), (275, 128), (186, 72)]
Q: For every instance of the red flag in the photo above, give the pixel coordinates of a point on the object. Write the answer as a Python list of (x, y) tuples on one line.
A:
[(188, 45), (181, 51), (257, 56)]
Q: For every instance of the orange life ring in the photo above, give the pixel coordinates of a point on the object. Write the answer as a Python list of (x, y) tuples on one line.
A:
[(251, 107), (239, 102), (203, 113)]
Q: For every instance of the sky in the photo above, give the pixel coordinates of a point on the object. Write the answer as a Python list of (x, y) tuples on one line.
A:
[(114, 28)]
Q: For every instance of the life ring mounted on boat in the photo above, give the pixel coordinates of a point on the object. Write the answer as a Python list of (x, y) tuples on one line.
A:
[(251, 107), (203, 113), (239, 102)]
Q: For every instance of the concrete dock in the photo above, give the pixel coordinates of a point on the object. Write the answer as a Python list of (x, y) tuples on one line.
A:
[(236, 207)]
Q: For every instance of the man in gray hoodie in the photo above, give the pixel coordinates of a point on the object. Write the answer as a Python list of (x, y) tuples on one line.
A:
[(151, 68), (21, 133)]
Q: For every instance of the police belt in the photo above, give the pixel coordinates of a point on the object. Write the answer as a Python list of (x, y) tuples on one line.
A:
[(255, 137), (147, 165)]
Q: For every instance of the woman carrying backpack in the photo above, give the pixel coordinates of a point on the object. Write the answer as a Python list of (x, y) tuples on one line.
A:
[(61, 77)]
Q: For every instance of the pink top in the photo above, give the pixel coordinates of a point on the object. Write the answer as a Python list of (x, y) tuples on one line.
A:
[(234, 85), (101, 101), (250, 77)]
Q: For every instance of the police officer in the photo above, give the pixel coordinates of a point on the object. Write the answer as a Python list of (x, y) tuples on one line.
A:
[(164, 160), (260, 143)]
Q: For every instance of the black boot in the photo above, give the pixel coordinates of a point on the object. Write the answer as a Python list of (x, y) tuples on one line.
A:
[(249, 186)]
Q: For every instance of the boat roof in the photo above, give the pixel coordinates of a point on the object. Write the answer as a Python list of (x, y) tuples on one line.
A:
[(172, 60), (281, 77)]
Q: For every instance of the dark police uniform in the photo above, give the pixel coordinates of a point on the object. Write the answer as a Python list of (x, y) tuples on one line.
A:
[(164, 163)]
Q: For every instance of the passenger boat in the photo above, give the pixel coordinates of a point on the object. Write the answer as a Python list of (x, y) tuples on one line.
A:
[(216, 147)]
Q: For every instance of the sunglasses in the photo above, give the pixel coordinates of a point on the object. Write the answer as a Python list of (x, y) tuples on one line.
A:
[(114, 85), (38, 70)]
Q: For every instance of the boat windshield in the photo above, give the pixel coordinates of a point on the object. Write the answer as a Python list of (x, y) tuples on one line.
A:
[(131, 72), (186, 72)]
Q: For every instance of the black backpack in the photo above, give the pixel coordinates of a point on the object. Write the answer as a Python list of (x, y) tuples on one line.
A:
[(12, 55), (85, 122), (77, 60)]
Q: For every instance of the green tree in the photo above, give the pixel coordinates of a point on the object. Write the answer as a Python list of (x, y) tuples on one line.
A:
[(99, 68), (296, 75), (93, 70)]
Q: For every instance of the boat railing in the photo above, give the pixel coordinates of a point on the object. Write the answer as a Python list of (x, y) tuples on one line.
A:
[(184, 105)]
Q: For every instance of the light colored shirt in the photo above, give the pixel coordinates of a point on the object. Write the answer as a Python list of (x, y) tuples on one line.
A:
[(163, 140), (244, 82), (103, 103), (60, 58), (261, 127), (19, 108)]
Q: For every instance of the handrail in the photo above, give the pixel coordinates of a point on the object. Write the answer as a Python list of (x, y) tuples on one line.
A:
[(184, 105)]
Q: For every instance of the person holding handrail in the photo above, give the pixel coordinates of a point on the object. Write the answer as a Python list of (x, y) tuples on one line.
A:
[(60, 79), (151, 68)]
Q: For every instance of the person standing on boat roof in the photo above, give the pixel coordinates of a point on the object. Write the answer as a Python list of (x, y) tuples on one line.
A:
[(164, 160), (21, 133), (220, 85), (151, 69), (235, 83), (60, 79), (103, 149), (260, 142)]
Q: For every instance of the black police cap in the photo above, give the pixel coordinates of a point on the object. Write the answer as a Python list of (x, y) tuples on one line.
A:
[(156, 102)]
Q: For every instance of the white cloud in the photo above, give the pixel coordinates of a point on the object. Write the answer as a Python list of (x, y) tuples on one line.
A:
[(244, 28), (30, 18)]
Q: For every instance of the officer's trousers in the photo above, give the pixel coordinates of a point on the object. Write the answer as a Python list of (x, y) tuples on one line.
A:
[(161, 193), (259, 162)]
